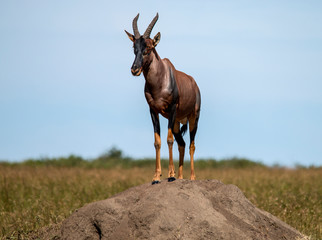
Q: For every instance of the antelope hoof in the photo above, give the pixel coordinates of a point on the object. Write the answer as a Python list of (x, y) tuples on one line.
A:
[(171, 179), (155, 182)]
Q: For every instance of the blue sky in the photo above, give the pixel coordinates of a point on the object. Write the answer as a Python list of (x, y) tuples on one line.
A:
[(66, 86)]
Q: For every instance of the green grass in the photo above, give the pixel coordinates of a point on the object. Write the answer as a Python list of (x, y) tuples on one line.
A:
[(42, 193)]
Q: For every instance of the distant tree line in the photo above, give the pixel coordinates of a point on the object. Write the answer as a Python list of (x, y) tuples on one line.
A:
[(114, 158)]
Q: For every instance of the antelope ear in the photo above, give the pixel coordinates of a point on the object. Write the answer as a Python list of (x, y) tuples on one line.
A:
[(131, 37), (156, 39)]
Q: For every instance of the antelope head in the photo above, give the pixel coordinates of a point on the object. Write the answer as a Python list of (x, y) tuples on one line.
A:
[(142, 44)]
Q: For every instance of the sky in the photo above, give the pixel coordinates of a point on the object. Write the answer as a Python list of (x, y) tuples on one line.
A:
[(66, 85)]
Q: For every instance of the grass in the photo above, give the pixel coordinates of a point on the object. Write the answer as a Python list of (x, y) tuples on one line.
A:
[(33, 196)]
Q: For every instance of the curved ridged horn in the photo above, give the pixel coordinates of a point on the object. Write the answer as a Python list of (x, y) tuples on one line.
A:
[(149, 29), (135, 27)]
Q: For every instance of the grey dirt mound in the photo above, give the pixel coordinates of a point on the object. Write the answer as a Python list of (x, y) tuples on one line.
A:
[(182, 209)]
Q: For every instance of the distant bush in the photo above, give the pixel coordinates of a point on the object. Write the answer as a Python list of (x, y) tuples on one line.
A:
[(71, 161), (227, 163)]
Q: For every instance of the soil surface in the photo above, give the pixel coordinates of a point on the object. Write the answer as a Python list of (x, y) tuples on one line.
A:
[(183, 209)]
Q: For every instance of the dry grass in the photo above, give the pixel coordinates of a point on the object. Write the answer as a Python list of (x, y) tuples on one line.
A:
[(35, 197), (294, 196)]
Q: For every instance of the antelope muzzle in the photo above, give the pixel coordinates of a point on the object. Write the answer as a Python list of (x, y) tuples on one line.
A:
[(136, 68), (136, 71)]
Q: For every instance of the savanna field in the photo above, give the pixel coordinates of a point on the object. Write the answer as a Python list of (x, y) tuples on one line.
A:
[(39, 194)]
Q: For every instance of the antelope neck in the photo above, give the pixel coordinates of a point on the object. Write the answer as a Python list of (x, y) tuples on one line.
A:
[(153, 70)]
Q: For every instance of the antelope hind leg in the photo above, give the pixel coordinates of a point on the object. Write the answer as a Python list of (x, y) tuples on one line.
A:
[(181, 147), (193, 124)]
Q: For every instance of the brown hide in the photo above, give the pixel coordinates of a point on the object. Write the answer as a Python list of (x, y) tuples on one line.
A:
[(157, 92)]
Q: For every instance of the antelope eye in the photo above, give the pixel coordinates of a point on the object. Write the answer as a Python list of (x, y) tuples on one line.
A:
[(145, 52)]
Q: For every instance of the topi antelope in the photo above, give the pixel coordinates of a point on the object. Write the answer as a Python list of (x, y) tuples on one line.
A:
[(169, 92)]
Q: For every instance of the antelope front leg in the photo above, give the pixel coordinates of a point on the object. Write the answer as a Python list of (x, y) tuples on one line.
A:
[(157, 145), (171, 124), (170, 140)]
